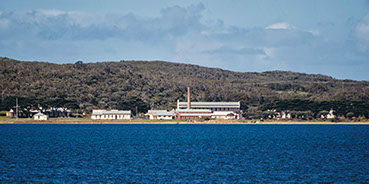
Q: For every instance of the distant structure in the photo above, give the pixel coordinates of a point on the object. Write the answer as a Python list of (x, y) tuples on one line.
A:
[(13, 113), (214, 110), (214, 106), (40, 116), (161, 114), (111, 114), (30, 112), (330, 115), (58, 112), (10, 113), (193, 113), (224, 115), (188, 98), (286, 115)]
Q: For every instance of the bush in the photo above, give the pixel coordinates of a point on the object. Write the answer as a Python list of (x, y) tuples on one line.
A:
[(350, 115)]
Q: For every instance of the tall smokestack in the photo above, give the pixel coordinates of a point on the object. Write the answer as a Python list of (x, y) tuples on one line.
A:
[(188, 98)]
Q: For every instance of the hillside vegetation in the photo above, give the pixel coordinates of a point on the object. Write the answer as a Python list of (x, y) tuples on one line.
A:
[(159, 84)]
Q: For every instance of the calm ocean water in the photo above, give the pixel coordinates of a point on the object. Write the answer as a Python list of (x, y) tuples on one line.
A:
[(184, 153)]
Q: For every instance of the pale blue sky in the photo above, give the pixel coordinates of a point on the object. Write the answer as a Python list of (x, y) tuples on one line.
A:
[(329, 37)]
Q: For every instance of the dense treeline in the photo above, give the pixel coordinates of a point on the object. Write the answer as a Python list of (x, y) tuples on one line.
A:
[(159, 84)]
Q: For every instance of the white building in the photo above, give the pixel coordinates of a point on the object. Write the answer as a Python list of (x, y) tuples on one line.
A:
[(224, 115), (331, 115), (161, 114), (286, 115), (111, 114), (40, 116), (58, 112), (224, 108), (193, 113), (214, 106)]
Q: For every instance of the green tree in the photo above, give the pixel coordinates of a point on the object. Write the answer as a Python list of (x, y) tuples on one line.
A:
[(350, 115), (132, 103)]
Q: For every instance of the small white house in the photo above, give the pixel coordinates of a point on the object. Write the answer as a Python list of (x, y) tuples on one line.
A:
[(40, 116), (286, 115), (331, 115), (10, 113), (111, 114), (161, 114)]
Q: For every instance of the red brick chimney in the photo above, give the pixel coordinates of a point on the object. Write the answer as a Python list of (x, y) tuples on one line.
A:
[(188, 98)]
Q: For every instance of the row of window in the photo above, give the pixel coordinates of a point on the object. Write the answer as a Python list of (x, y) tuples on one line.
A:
[(195, 113), (164, 116), (190, 117), (217, 109), (111, 116)]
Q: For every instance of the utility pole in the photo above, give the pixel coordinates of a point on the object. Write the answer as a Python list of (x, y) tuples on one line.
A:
[(136, 113), (16, 108)]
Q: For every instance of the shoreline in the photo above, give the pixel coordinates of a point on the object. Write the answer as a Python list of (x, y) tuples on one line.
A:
[(186, 122)]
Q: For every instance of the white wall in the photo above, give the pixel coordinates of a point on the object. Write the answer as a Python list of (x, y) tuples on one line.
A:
[(41, 117), (111, 116)]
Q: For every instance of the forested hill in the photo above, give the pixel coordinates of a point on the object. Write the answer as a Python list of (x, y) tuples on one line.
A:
[(159, 84)]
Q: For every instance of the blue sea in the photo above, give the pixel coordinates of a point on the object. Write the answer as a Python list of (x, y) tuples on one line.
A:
[(184, 153)]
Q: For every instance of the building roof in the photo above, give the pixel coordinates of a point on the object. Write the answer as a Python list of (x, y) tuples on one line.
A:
[(194, 110), (112, 112), (210, 104), (40, 114), (160, 113), (195, 115), (156, 111), (170, 113)]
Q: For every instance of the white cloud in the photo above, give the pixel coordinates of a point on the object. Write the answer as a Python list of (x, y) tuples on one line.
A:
[(236, 51), (176, 34), (280, 25), (52, 12), (60, 25), (287, 26), (269, 53), (4, 23), (362, 32)]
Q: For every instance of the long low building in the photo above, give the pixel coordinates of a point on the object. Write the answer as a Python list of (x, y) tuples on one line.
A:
[(111, 114), (40, 116), (193, 113), (225, 115), (161, 114), (213, 110), (214, 106)]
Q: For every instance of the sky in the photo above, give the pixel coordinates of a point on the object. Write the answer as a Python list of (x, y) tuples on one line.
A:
[(329, 37)]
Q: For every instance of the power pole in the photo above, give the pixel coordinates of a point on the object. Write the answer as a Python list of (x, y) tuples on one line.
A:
[(136, 113), (16, 109)]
